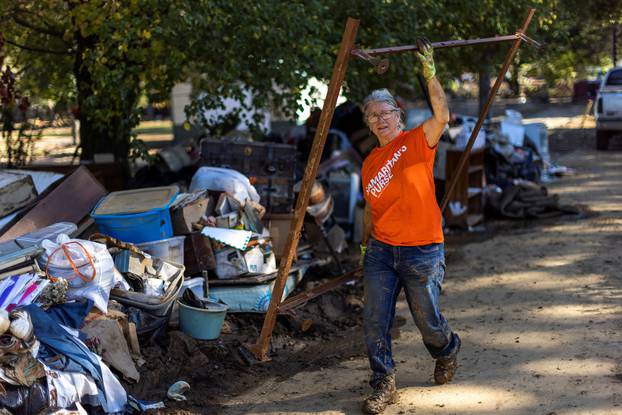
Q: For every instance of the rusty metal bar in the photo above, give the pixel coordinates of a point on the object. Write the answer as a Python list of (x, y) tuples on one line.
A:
[(527, 39), (436, 45), (482, 116), (260, 348), (381, 65), (302, 298)]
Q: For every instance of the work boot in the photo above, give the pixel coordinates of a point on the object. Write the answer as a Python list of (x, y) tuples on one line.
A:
[(446, 366), (384, 394)]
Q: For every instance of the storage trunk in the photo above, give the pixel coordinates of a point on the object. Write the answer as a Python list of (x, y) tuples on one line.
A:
[(269, 166)]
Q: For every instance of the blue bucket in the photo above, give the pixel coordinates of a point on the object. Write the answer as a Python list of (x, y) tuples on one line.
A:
[(202, 323)]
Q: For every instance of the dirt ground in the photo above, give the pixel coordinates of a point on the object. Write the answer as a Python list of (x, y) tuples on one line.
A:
[(537, 304)]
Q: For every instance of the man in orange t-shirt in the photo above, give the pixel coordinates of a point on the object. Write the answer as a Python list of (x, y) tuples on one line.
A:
[(403, 236)]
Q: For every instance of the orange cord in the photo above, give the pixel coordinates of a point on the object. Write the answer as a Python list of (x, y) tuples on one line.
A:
[(73, 264)]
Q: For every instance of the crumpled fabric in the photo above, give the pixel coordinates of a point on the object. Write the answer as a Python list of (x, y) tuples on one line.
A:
[(527, 201), (60, 350), (18, 362), (21, 368), (67, 388)]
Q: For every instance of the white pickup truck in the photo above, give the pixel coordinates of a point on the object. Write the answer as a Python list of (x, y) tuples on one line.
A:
[(608, 108)]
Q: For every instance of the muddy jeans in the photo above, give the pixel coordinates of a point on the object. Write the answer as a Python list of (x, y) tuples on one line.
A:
[(420, 271)]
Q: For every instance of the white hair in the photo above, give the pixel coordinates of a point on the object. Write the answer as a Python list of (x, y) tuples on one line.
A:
[(382, 95)]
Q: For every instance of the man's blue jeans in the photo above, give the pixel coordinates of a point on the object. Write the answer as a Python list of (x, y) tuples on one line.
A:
[(420, 271)]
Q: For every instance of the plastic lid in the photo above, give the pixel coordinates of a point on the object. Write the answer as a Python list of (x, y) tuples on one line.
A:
[(137, 201), (49, 232)]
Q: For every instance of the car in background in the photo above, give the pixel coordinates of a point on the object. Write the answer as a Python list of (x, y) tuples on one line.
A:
[(608, 108)]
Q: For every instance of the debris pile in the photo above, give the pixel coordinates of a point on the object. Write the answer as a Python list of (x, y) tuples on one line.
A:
[(86, 287)]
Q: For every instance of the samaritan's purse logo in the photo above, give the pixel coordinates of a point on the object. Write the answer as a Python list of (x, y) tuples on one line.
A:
[(377, 185)]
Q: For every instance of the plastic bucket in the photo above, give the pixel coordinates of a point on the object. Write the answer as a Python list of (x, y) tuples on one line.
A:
[(202, 323), (170, 249)]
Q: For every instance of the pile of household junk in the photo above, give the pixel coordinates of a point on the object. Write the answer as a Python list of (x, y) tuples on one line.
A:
[(78, 296), (517, 165)]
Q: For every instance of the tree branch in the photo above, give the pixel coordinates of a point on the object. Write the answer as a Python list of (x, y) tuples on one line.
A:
[(36, 49), (25, 23)]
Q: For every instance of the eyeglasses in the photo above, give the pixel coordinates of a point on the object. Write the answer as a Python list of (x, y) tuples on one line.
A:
[(385, 115)]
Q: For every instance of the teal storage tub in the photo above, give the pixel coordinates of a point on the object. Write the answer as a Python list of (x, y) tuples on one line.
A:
[(202, 323)]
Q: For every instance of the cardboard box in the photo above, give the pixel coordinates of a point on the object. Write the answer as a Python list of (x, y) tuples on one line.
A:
[(16, 191), (278, 225), (184, 216), (233, 263), (198, 254)]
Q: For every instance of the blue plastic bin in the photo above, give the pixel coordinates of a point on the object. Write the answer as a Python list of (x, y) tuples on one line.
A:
[(151, 225)]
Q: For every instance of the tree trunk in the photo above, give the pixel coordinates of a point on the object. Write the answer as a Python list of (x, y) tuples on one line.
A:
[(88, 134), (112, 136)]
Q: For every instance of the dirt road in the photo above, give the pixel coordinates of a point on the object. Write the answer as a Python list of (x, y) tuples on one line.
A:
[(539, 309)]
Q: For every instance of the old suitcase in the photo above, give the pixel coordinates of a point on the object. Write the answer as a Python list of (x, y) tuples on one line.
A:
[(250, 158)]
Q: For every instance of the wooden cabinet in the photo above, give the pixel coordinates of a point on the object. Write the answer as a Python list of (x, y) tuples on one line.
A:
[(467, 197)]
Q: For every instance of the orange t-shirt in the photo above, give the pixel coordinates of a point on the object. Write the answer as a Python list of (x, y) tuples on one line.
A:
[(398, 183)]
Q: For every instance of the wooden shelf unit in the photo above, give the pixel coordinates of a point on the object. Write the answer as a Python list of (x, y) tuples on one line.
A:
[(469, 190)]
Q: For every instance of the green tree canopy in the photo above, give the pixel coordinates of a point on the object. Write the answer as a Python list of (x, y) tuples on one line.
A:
[(103, 55)]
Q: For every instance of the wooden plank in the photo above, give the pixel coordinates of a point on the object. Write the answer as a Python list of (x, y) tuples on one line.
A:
[(482, 116), (70, 201)]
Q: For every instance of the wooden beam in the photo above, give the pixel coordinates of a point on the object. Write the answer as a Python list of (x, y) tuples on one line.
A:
[(260, 348), (482, 116)]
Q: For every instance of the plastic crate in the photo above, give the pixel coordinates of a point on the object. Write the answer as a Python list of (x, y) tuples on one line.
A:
[(170, 249)]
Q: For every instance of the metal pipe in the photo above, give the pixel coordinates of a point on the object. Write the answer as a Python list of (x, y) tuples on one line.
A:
[(436, 45), (482, 116)]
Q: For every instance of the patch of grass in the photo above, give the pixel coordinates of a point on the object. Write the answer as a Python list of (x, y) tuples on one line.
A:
[(155, 127)]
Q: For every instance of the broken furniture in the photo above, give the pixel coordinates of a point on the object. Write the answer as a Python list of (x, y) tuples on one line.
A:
[(466, 202), (81, 188)]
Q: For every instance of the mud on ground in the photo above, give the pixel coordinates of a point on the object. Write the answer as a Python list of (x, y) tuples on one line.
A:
[(217, 370), (534, 301)]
